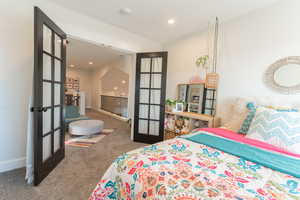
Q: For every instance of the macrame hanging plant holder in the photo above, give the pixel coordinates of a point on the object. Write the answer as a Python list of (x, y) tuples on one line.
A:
[(211, 80)]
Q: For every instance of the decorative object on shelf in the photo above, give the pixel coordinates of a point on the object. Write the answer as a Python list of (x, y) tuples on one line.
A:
[(169, 122), (211, 80), (181, 126), (182, 92), (180, 123), (72, 99), (72, 84), (209, 99), (170, 105), (185, 129), (192, 96), (193, 108), (196, 80), (197, 98), (179, 107), (203, 61), (199, 124), (196, 123), (283, 75), (175, 105)]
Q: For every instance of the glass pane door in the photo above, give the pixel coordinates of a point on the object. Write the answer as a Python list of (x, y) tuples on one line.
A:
[(52, 92), (49, 76), (150, 97)]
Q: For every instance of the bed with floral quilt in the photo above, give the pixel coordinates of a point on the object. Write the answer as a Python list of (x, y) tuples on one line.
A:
[(207, 164)]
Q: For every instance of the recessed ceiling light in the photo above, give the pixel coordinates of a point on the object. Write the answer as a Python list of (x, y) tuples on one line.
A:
[(171, 21), (90, 63), (123, 81), (116, 88), (125, 11), (72, 65)]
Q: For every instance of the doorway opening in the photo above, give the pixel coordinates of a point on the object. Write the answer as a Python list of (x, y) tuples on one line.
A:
[(98, 79)]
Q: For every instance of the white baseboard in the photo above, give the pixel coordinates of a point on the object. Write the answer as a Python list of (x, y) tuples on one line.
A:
[(12, 164), (124, 119)]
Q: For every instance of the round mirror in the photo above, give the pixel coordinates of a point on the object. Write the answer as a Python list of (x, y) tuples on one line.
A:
[(288, 75), (284, 75)]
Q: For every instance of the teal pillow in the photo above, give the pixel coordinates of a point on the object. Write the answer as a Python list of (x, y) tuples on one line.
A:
[(247, 122)]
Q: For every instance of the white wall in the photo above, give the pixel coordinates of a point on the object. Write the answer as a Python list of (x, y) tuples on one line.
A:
[(123, 65), (85, 83), (248, 45), (112, 83), (182, 56), (16, 64)]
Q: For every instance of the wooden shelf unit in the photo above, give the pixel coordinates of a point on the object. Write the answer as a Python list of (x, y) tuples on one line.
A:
[(181, 123)]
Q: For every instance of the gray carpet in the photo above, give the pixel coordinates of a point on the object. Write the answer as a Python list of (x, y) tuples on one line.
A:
[(77, 175)]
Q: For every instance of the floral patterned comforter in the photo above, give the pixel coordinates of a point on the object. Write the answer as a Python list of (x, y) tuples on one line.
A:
[(180, 169)]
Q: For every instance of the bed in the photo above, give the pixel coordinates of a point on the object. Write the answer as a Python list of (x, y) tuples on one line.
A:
[(207, 164)]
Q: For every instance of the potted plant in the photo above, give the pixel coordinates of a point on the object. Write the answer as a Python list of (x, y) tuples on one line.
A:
[(170, 104), (203, 62)]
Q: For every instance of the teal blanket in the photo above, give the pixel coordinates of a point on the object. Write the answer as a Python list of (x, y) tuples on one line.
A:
[(275, 161)]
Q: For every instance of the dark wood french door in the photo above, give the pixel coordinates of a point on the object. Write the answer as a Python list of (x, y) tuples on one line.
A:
[(150, 93), (48, 99)]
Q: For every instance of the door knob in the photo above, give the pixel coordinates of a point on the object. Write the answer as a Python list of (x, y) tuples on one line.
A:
[(38, 109)]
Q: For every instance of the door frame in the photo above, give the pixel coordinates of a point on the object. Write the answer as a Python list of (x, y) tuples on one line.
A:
[(148, 138)]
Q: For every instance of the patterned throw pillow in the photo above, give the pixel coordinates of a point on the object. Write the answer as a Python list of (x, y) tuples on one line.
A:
[(247, 122), (252, 110), (281, 129)]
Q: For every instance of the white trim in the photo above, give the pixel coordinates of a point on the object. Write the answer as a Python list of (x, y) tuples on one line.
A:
[(12, 164), (124, 119)]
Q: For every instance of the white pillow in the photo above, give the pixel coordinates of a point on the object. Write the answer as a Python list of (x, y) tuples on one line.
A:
[(238, 113), (281, 129)]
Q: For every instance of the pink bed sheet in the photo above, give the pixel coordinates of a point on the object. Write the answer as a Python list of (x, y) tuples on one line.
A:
[(241, 138)]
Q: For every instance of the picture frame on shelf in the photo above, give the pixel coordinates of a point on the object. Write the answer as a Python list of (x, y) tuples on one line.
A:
[(179, 107), (196, 99)]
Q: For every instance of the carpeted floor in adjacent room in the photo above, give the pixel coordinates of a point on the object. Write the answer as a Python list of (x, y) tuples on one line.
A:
[(77, 175)]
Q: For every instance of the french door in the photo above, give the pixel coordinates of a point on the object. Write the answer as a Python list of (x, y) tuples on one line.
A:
[(48, 99), (150, 92)]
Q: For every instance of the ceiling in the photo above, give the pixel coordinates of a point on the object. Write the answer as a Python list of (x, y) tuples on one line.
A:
[(149, 17), (80, 53)]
